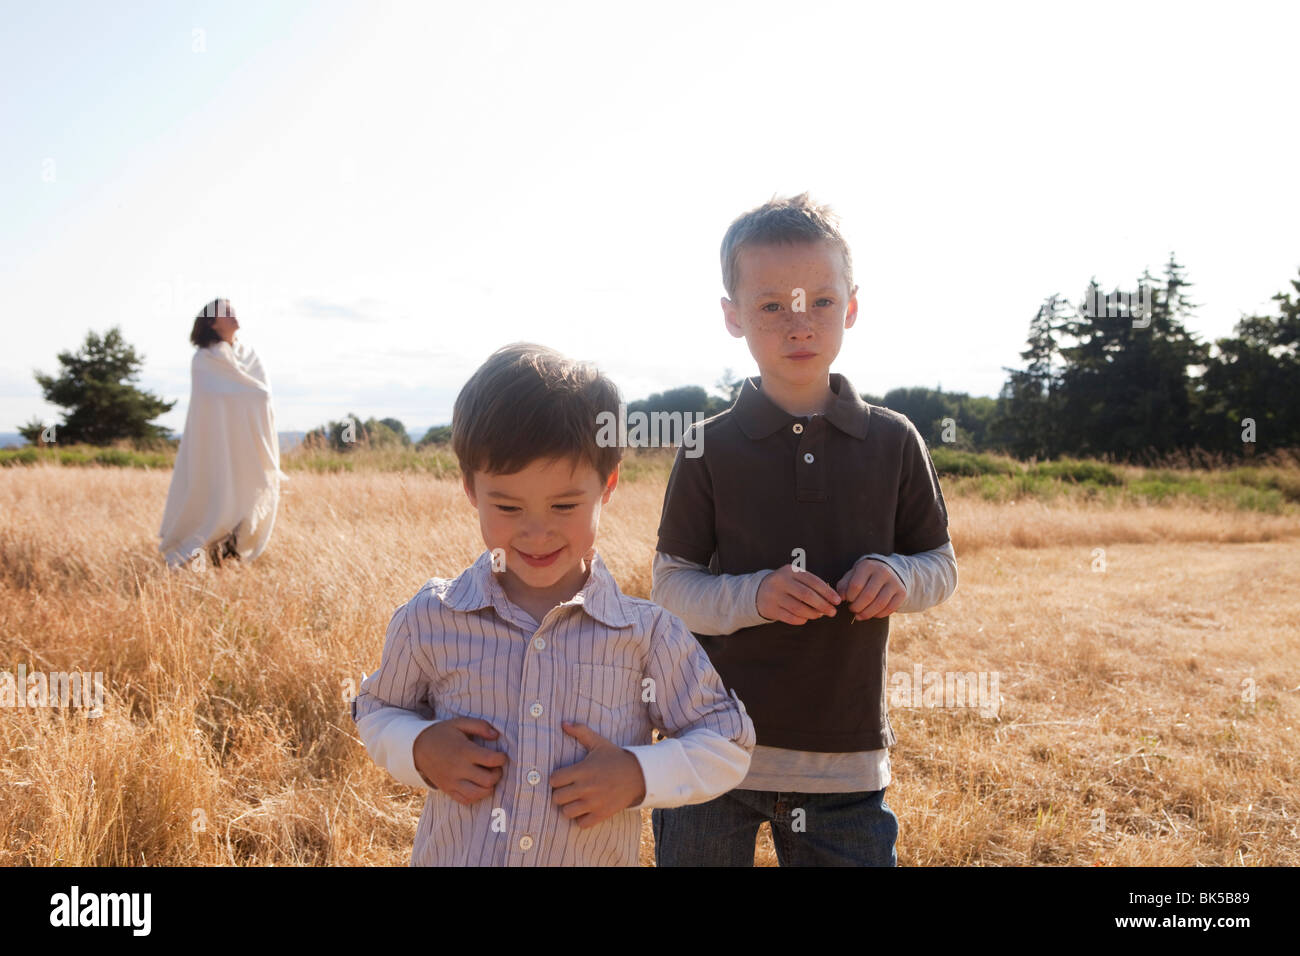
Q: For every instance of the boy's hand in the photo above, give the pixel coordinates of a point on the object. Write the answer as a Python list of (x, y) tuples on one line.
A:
[(795, 597), (462, 770), (607, 780), (872, 589)]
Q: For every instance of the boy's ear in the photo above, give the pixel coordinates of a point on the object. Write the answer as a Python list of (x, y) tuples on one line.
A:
[(467, 482), (610, 485), (851, 315), (730, 314)]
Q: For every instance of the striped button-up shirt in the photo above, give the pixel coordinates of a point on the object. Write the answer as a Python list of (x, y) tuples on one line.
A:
[(623, 666)]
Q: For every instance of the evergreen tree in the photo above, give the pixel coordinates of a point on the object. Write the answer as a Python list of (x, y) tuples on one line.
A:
[(96, 386), (1028, 418), (1255, 375), (1126, 390)]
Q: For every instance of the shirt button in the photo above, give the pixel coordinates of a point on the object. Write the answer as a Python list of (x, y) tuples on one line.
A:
[(539, 643), (534, 777), (798, 429), (536, 710), (808, 457), (525, 843)]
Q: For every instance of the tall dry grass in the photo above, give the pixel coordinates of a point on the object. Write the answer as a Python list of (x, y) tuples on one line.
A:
[(226, 737)]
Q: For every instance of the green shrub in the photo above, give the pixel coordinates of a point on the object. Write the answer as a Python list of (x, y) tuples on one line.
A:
[(1079, 472), (951, 461)]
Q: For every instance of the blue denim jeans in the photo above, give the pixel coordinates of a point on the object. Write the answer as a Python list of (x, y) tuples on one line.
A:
[(808, 829)]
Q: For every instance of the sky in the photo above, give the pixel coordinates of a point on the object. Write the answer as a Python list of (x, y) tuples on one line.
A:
[(388, 192)]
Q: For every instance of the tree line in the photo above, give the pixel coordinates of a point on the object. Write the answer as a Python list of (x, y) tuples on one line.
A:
[(1115, 375)]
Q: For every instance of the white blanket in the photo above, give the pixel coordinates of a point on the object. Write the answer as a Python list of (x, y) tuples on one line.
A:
[(227, 475)]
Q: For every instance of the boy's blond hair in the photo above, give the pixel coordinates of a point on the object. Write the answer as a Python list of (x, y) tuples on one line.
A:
[(793, 219)]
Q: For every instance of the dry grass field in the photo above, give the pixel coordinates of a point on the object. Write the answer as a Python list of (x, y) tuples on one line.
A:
[(226, 737)]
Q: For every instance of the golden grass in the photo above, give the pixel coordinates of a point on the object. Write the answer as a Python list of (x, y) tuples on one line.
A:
[(226, 737)]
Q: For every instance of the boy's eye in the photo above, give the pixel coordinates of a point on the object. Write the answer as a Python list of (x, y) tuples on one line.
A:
[(511, 509), (772, 307), (823, 302)]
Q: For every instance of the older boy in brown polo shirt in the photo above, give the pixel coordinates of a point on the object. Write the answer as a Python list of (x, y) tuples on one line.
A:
[(800, 484)]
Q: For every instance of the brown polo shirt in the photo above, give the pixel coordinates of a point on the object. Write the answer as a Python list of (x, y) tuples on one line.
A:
[(853, 481)]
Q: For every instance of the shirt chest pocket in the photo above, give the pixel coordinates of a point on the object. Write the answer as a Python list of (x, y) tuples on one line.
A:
[(608, 700)]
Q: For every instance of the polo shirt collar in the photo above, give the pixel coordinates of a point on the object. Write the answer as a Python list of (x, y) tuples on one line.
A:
[(478, 587), (758, 416)]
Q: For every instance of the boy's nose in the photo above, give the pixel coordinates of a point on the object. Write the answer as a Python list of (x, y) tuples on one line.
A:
[(535, 532)]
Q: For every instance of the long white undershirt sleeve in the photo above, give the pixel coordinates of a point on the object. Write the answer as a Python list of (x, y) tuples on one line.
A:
[(930, 577), (691, 768), (389, 736)]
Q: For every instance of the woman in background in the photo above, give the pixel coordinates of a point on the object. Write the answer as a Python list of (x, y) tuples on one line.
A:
[(226, 484)]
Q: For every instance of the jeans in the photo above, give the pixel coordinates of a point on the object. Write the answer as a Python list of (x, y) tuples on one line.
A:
[(808, 829)]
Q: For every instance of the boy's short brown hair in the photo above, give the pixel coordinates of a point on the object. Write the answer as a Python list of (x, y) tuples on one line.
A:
[(793, 219), (529, 402)]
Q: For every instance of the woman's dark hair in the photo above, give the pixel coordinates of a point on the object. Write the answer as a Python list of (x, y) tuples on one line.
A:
[(203, 334)]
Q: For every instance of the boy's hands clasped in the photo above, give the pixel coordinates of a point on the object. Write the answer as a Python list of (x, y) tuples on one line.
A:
[(607, 780), (795, 597)]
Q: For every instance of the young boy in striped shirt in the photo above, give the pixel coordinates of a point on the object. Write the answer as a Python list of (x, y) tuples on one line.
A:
[(521, 694)]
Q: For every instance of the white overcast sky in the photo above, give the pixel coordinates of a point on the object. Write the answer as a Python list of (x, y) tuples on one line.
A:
[(388, 192)]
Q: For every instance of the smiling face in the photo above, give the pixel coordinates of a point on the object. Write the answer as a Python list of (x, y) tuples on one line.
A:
[(794, 348), (544, 519)]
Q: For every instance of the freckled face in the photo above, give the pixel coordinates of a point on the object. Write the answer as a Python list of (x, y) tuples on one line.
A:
[(794, 338)]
